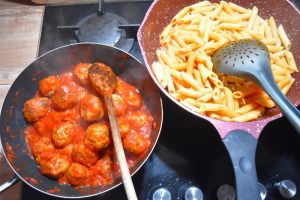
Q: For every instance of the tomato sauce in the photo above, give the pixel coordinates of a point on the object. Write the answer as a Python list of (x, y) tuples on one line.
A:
[(69, 134), (10, 153)]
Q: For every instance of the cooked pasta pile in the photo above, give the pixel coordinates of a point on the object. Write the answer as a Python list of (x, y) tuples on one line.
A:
[(185, 68)]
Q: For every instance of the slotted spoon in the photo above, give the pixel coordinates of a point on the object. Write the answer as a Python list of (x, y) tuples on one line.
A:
[(250, 59)]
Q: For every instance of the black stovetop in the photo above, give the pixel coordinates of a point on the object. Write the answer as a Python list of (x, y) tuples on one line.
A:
[(189, 151)]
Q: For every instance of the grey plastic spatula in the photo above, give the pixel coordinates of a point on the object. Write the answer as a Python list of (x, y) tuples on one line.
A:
[(250, 59)]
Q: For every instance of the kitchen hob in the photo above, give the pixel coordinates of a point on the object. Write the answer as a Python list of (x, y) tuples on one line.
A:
[(189, 161)]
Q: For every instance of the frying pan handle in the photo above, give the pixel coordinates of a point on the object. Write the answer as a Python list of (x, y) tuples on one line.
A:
[(242, 147), (9, 183)]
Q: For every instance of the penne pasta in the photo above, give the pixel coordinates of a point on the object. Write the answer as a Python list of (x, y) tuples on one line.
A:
[(228, 112), (159, 73), (206, 97), (284, 39), (193, 93), (273, 27), (216, 94), (290, 59), (231, 26), (252, 18), (229, 98), (237, 8), (288, 86), (185, 69), (254, 114), (246, 108), (187, 78)]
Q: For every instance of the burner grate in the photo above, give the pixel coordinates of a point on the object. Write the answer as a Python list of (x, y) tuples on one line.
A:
[(105, 28)]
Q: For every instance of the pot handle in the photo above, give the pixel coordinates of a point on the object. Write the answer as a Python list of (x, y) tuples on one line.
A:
[(241, 147), (9, 183)]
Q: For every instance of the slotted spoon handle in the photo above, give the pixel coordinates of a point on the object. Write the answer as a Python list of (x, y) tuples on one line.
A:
[(126, 177), (287, 108)]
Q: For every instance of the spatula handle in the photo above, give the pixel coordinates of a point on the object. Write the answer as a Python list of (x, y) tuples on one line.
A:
[(241, 147)]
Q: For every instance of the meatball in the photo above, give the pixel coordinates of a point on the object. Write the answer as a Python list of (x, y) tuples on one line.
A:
[(124, 126), (67, 150), (129, 93), (63, 134), (36, 108), (53, 164), (134, 99), (65, 97), (84, 155), (81, 72), (137, 118), (120, 105), (44, 144), (91, 108), (97, 135), (70, 115), (48, 85), (103, 167), (77, 173), (136, 143), (44, 126)]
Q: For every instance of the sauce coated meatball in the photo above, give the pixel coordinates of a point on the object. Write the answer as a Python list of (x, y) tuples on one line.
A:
[(120, 105), (67, 150), (137, 118), (45, 125), (130, 94), (84, 155), (136, 143), (53, 164), (81, 72), (43, 145), (36, 108), (91, 108), (124, 126), (63, 134), (97, 135), (77, 173), (103, 168), (48, 85), (134, 99), (65, 97)]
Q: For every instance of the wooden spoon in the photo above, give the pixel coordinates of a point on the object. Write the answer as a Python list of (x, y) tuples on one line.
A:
[(104, 81)]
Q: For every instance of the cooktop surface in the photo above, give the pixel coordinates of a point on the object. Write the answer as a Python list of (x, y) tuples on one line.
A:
[(189, 157)]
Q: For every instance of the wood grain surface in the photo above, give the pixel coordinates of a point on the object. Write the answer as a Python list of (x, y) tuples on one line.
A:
[(71, 1), (20, 25), (19, 37), (63, 1)]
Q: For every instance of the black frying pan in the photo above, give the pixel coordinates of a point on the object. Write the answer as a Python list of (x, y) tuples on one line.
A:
[(55, 62)]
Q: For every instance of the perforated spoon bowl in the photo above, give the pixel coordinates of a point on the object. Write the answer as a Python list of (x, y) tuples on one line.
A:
[(250, 59)]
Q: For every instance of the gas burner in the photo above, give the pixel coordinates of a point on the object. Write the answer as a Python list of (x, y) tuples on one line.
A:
[(105, 28), (101, 28)]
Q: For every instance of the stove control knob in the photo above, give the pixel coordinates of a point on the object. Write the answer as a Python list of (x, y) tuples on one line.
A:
[(287, 188), (161, 194), (263, 191), (226, 192), (193, 193)]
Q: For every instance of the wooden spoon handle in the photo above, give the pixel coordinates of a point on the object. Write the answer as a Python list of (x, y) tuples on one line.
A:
[(127, 181)]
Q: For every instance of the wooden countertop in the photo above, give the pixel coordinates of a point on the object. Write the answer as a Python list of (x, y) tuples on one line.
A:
[(20, 25)]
